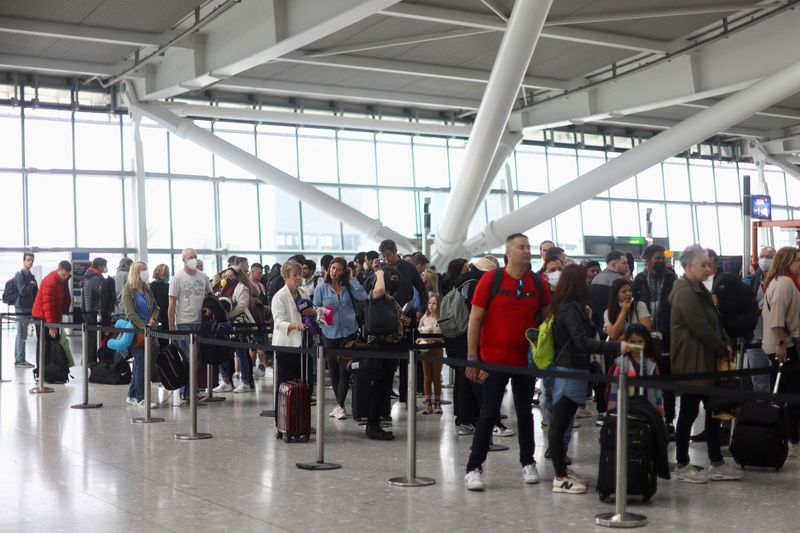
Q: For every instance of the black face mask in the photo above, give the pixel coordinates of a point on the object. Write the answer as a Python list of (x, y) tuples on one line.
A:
[(392, 285), (659, 267)]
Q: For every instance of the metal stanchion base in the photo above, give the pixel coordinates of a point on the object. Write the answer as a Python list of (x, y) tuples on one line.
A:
[(5, 381), (625, 520), (143, 420), (192, 436), (318, 466), (269, 413), (416, 482), (86, 406), (206, 399), (37, 390)]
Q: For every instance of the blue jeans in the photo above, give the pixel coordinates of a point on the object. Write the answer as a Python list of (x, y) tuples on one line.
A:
[(243, 355), (546, 407), (184, 345), (491, 398), (22, 336), (756, 358), (136, 389)]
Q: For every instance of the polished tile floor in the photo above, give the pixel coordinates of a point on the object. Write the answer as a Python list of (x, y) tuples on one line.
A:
[(63, 469)]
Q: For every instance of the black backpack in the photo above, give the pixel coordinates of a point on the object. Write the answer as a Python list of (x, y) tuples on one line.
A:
[(170, 365), (738, 306), (108, 296), (381, 317), (10, 293), (56, 364)]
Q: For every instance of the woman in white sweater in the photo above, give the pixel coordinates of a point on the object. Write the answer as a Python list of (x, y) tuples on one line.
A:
[(288, 325)]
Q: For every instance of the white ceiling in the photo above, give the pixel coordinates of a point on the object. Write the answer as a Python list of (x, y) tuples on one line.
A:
[(429, 54)]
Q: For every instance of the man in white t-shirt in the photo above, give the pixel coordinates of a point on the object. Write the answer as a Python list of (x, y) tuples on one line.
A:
[(187, 289)]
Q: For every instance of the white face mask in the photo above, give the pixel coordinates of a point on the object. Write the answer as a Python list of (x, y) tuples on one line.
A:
[(191, 264), (553, 277), (709, 283), (764, 263), (144, 275), (105, 270)]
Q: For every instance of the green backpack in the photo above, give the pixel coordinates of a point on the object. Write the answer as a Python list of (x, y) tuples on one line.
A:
[(542, 353)]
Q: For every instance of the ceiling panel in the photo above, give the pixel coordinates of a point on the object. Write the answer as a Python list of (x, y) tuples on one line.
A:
[(73, 11), (156, 16)]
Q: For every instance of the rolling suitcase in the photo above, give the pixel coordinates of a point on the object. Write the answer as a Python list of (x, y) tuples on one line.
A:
[(760, 437), (293, 409), (642, 475)]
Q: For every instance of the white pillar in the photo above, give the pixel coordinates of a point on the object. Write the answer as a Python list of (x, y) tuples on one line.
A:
[(139, 202), (693, 130), (513, 58), (186, 129)]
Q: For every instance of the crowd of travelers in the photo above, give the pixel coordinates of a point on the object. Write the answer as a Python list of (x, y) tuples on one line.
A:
[(479, 310)]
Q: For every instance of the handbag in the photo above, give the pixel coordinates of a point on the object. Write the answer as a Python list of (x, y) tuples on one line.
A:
[(722, 406), (381, 317), (138, 341)]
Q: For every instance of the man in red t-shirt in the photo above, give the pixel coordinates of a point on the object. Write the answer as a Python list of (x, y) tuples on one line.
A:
[(497, 325)]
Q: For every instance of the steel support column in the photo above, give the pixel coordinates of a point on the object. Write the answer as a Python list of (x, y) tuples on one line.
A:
[(307, 193), (514, 56), (139, 202), (693, 130)]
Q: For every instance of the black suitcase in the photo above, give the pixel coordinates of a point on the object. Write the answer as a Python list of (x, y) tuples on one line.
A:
[(642, 475), (170, 364), (760, 437)]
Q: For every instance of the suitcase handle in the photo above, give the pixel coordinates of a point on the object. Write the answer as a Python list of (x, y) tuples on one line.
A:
[(777, 379)]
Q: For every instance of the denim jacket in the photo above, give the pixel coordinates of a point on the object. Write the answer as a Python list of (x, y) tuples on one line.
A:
[(344, 313)]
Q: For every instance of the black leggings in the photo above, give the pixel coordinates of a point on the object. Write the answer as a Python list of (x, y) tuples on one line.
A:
[(563, 412), (340, 376)]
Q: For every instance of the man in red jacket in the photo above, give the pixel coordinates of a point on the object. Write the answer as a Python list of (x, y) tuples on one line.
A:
[(53, 299)]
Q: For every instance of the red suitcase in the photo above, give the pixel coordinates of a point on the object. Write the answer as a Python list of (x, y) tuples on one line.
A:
[(293, 414)]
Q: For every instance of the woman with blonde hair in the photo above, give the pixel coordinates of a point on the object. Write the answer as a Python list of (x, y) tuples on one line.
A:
[(781, 315), (141, 310), (431, 281)]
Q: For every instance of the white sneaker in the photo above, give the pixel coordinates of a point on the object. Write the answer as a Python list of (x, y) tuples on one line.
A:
[(131, 401), (724, 472), (501, 431), (223, 387), (529, 474), (794, 452), (465, 429), (578, 477), (243, 387), (334, 412), (688, 474), (474, 480), (568, 485), (153, 405), (585, 412), (341, 413)]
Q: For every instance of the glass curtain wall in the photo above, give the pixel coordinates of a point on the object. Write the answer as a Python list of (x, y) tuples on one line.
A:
[(66, 178)]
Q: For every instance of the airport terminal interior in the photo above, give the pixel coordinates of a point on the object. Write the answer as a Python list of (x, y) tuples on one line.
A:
[(160, 131)]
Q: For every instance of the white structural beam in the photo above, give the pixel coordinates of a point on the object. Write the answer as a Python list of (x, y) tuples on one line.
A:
[(656, 123), (78, 32), (697, 128), (60, 66), (661, 13), (400, 41), (470, 19), (513, 58), (248, 35), (139, 195), (325, 121), (719, 68), (307, 193), (410, 68), (506, 146), (341, 92)]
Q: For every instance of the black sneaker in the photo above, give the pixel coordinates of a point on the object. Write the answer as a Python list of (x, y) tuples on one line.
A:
[(700, 437), (394, 395)]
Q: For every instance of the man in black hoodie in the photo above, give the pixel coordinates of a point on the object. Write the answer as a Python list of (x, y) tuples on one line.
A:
[(652, 286), (91, 297)]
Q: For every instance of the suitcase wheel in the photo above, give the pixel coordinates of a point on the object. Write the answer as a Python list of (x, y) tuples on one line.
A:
[(304, 438), (604, 496), (278, 435)]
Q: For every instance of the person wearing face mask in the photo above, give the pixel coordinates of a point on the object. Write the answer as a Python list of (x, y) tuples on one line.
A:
[(697, 341), (142, 311), (187, 289), (756, 358), (652, 287), (91, 299), (552, 272)]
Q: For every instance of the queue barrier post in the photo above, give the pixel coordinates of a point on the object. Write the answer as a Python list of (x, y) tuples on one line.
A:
[(209, 397), (40, 388), (411, 479), (320, 463), (270, 413), (85, 368), (193, 434), (620, 518), (148, 368), (1, 349)]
